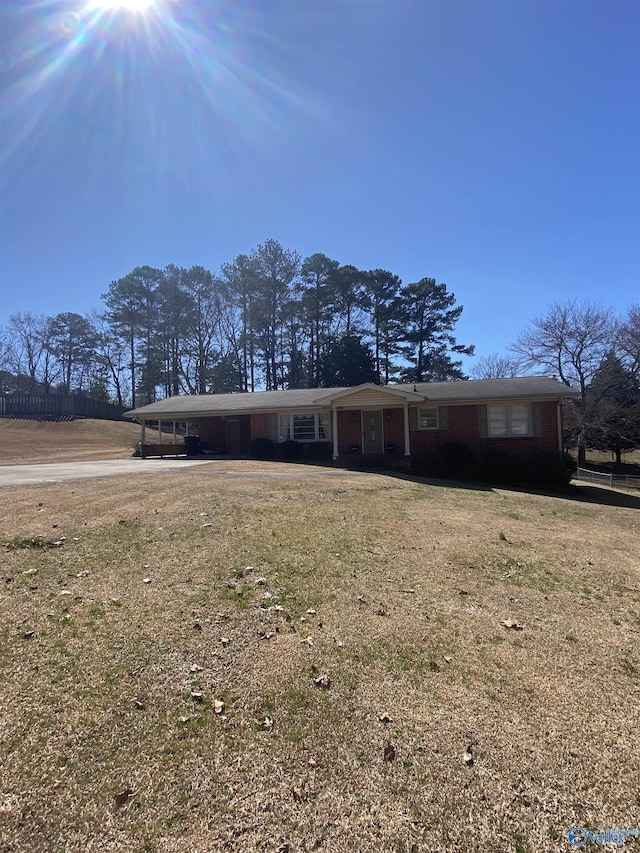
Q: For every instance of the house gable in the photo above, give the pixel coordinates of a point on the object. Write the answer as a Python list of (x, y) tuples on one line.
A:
[(369, 396)]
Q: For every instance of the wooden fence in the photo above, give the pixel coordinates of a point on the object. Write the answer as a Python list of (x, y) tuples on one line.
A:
[(57, 407)]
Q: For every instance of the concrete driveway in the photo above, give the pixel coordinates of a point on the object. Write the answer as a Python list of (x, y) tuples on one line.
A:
[(57, 472)]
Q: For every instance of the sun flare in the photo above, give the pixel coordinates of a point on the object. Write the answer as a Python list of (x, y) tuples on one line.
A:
[(130, 5)]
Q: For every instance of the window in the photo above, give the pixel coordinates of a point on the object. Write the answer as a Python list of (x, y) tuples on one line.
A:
[(304, 427), (301, 427), (428, 418), (514, 419)]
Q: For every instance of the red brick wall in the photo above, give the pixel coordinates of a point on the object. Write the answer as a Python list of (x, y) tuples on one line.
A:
[(260, 425), (212, 430), (464, 426), (349, 431), (393, 429)]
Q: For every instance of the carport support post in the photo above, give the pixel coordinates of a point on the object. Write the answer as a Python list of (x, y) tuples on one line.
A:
[(335, 434), (407, 440)]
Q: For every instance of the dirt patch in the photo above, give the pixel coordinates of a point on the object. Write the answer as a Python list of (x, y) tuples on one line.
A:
[(480, 649)]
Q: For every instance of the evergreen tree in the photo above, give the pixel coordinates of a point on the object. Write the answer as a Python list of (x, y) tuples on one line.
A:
[(347, 361), (613, 403), (429, 313)]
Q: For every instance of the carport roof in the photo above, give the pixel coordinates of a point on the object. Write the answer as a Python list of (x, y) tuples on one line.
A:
[(448, 393)]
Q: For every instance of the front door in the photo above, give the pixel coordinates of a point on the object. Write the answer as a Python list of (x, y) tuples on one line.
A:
[(372, 432)]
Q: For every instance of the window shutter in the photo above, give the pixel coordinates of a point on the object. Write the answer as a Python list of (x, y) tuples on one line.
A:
[(413, 419), (273, 428), (536, 417), (482, 421), (443, 417)]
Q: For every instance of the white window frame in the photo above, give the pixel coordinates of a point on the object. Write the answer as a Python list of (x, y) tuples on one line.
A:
[(513, 424), (429, 409), (286, 426)]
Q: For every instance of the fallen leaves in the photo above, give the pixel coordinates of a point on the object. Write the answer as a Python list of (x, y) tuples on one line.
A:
[(299, 793), (389, 753), (123, 797), (512, 624)]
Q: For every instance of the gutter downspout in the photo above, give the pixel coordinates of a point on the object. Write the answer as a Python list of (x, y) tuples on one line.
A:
[(559, 421), (407, 440)]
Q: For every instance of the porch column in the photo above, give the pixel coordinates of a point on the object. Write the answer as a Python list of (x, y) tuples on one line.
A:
[(142, 426), (335, 433), (175, 435), (407, 440)]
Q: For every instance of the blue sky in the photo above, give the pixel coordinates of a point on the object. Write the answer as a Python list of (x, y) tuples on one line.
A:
[(494, 146)]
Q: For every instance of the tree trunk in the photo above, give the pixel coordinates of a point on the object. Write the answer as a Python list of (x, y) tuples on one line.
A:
[(582, 454)]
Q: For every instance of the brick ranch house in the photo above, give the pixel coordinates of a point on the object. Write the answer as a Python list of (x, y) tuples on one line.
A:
[(396, 422)]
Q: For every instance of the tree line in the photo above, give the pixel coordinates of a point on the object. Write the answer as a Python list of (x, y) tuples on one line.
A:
[(270, 319), (267, 320)]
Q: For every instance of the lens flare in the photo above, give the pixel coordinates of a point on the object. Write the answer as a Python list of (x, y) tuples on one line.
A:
[(130, 5)]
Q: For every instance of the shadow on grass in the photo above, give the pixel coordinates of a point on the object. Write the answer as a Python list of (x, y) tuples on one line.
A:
[(581, 493)]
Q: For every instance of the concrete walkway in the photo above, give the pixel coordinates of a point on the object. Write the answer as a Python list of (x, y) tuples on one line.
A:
[(58, 472)]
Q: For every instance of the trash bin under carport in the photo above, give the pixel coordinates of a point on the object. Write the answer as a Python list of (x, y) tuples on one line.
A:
[(192, 444)]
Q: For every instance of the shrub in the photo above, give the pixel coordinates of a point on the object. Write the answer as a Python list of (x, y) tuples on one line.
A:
[(290, 449), (549, 469), (454, 459), (499, 466), (423, 465), (320, 450), (261, 448), (544, 468)]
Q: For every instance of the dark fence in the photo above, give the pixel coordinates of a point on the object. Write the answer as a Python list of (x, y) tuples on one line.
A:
[(57, 407)]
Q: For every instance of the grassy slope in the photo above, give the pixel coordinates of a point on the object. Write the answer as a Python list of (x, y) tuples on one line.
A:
[(26, 441), (395, 590)]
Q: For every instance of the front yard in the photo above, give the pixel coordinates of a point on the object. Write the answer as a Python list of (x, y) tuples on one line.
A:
[(357, 663)]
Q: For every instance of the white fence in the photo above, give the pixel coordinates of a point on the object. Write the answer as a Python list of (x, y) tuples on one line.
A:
[(620, 480), (594, 477)]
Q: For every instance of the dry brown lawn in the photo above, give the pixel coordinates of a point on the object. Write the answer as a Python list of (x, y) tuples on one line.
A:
[(132, 607), (27, 441)]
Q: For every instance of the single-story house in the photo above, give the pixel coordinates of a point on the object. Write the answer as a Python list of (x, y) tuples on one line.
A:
[(520, 415)]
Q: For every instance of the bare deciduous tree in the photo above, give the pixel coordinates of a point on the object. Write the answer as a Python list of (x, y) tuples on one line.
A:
[(629, 340), (570, 342), (495, 366)]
